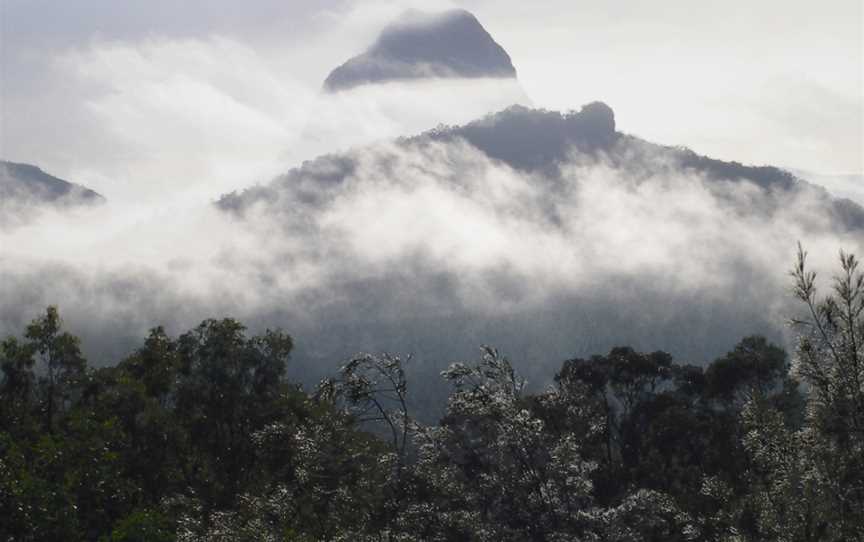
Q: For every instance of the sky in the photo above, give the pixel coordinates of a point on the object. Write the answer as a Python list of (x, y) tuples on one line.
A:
[(770, 82), (164, 106)]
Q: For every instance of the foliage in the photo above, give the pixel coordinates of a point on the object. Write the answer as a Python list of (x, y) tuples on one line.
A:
[(808, 484), (203, 437)]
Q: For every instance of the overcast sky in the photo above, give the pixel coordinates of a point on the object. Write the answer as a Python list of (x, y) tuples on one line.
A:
[(85, 84)]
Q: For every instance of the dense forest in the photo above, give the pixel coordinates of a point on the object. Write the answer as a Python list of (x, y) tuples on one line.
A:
[(202, 437)]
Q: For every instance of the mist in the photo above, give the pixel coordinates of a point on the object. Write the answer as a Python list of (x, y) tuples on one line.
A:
[(430, 247)]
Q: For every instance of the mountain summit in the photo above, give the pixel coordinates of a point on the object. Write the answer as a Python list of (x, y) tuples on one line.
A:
[(451, 44)]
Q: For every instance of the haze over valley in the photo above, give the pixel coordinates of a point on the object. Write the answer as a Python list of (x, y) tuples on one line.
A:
[(442, 202)]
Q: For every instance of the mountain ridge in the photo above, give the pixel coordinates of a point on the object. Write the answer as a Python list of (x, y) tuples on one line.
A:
[(21, 180), (541, 141), (26, 189)]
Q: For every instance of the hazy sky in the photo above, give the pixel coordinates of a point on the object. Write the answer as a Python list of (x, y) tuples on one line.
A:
[(774, 81)]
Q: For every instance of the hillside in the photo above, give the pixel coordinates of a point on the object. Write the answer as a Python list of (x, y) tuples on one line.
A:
[(25, 189)]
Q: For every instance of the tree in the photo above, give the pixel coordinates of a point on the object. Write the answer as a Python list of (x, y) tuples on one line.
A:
[(17, 386), (830, 359), (808, 484), (62, 366), (830, 354), (754, 365), (623, 386), (374, 389), (494, 470), (62, 474), (228, 386)]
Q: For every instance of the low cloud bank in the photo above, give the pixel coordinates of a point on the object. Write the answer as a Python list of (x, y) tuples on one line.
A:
[(429, 246), (511, 230)]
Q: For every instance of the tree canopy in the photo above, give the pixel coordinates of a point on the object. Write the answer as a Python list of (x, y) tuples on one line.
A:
[(203, 437)]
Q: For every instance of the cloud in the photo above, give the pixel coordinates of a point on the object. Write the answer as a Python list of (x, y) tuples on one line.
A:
[(714, 78), (841, 185), (199, 117), (431, 247), (427, 248)]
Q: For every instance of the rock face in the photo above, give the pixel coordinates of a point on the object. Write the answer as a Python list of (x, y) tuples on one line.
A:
[(421, 45)]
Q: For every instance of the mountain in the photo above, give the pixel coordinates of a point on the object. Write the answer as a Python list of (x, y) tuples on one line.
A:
[(539, 142), (523, 138), (25, 186), (452, 44), (549, 235), (544, 233), (26, 181)]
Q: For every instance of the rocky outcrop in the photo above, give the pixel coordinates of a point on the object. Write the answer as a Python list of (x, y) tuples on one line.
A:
[(421, 45)]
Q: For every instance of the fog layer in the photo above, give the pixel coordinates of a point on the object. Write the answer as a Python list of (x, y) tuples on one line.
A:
[(429, 246)]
